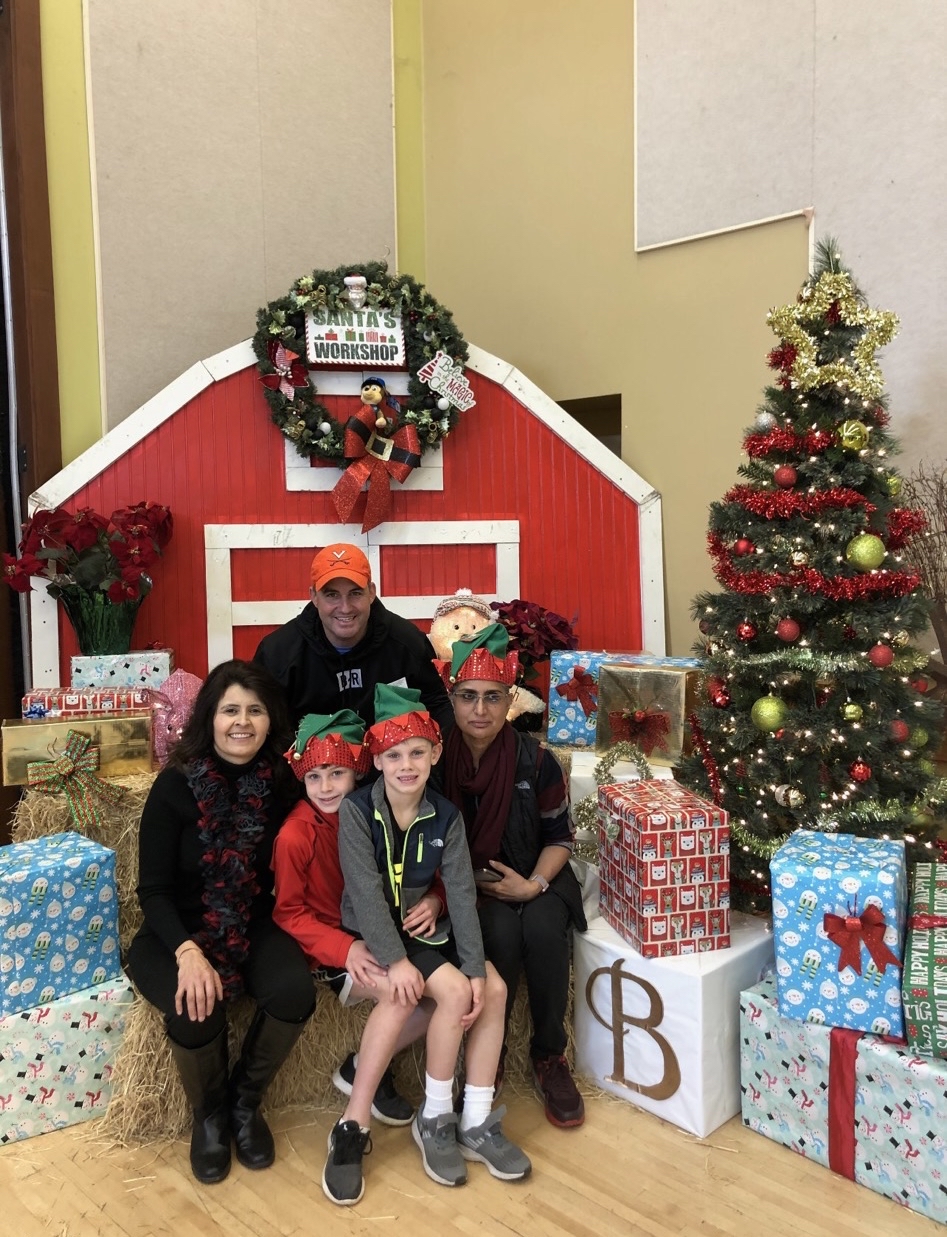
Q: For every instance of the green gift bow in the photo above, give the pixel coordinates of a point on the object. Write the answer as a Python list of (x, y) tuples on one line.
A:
[(73, 774)]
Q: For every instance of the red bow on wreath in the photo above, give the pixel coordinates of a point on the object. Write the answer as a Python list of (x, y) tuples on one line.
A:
[(648, 728), (290, 371), (852, 931), (582, 688), (374, 458)]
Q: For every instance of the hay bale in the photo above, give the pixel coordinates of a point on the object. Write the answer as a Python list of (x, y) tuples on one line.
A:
[(38, 815)]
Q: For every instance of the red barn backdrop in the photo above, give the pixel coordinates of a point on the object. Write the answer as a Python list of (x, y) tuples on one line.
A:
[(519, 501)]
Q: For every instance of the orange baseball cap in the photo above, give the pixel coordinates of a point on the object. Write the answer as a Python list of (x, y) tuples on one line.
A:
[(340, 560)]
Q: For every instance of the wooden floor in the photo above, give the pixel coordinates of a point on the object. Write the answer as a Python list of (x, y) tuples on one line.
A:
[(624, 1172)]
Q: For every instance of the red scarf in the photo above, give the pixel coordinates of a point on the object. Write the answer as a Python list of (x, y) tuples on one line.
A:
[(490, 786), (229, 833)]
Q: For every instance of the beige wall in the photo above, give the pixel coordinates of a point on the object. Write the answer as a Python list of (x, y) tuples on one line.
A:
[(237, 144), (529, 177)]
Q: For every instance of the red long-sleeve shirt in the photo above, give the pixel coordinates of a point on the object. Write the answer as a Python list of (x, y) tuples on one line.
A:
[(309, 884)]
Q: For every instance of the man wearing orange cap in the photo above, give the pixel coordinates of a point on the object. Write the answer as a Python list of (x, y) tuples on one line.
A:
[(512, 794), (333, 654)]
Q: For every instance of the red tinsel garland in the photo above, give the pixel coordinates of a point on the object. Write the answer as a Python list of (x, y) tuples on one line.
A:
[(783, 357), (783, 441), (903, 524), (883, 584), (780, 504), (710, 765)]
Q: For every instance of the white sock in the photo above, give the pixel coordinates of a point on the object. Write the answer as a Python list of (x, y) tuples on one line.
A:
[(438, 1096), (477, 1104)]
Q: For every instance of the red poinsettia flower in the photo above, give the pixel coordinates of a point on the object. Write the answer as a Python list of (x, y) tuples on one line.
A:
[(290, 371), (81, 531), (44, 529), (18, 571), (535, 631), (131, 551), (127, 587), (144, 520)]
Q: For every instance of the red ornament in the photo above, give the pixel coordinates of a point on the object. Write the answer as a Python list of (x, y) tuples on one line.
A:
[(746, 630), (859, 771), (704, 626), (785, 477), (788, 630), (721, 699), (640, 716), (881, 655), (920, 685), (743, 547), (899, 730), (822, 697), (779, 734), (849, 633), (833, 315)]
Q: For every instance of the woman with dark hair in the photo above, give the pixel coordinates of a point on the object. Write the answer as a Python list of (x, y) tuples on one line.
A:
[(206, 891)]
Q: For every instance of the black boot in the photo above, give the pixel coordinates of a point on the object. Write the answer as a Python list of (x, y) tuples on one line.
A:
[(267, 1045), (204, 1075)]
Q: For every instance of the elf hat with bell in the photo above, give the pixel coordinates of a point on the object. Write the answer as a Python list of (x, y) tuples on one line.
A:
[(484, 657), (399, 715), (328, 739)]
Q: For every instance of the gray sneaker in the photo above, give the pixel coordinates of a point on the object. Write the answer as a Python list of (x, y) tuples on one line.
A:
[(440, 1154), (488, 1144)]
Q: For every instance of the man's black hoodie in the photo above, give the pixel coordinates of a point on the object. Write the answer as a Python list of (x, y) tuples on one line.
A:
[(319, 679)]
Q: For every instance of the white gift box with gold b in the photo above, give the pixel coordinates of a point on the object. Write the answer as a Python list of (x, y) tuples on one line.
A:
[(664, 1033)]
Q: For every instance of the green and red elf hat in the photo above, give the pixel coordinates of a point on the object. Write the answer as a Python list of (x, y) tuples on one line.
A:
[(484, 657), (328, 739), (399, 715)]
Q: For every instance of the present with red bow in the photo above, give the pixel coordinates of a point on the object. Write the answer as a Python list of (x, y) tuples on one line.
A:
[(573, 695), (839, 909), (862, 1105), (924, 985), (647, 705)]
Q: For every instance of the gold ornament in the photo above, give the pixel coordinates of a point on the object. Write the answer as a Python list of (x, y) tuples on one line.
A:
[(852, 712), (294, 430), (900, 638), (853, 435), (919, 737), (799, 558), (893, 485), (769, 713)]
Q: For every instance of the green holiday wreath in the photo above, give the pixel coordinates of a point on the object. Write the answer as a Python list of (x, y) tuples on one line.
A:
[(280, 348)]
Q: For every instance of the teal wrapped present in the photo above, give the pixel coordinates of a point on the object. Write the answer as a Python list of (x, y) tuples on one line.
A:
[(57, 1059), (858, 1104), (573, 696)]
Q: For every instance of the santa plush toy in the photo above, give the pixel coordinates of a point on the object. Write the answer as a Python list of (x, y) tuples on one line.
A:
[(462, 616)]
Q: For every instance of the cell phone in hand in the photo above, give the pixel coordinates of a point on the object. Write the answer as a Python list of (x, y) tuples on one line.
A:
[(487, 876)]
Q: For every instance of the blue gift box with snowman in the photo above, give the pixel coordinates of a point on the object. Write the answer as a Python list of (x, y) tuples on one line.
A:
[(839, 908), (58, 919)]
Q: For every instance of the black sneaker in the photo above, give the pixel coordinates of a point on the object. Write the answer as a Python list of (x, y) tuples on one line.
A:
[(389, 1106), (342, 1180)]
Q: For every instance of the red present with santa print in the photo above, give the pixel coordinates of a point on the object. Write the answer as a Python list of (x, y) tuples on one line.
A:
[(92, 702), (666, 849)]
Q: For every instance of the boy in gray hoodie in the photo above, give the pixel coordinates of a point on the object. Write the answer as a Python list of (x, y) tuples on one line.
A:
[(393, 836)]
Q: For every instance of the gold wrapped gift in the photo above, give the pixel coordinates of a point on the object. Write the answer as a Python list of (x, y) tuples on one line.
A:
[(648, 706), (123, 742)]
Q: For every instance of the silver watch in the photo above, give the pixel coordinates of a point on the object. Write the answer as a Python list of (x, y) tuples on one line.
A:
[(540, 881)]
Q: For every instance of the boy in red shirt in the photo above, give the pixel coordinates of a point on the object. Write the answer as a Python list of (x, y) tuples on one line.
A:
[(327, 757)]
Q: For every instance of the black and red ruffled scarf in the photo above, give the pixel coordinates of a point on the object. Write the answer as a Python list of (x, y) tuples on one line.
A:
[(229, 833)]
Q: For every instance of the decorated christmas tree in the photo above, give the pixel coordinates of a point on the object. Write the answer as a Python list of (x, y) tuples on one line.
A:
[(813, 711)]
